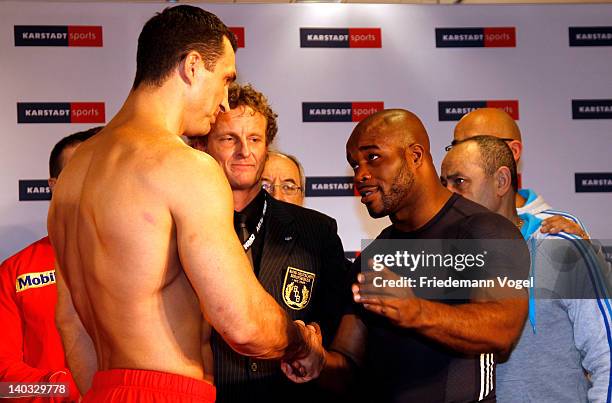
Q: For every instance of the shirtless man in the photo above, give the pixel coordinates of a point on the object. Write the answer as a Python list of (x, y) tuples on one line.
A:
[(145, 268)]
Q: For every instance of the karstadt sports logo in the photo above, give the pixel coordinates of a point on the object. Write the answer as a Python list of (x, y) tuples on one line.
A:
[(593, 182), (58, 35), (491, 37), (339, 111), (60, 112), (239, 35), (323, 186), (590, 36), (454, 110), (34, 190), (340, 38), (592, 109)]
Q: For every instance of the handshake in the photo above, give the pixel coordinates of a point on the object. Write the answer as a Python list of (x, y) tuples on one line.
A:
[(308, 364)]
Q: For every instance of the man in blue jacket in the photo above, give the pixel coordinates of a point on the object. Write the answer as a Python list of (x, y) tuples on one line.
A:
[(568, 331)]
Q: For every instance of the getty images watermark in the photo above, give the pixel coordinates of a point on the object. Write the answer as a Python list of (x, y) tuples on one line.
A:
[(443, 269)]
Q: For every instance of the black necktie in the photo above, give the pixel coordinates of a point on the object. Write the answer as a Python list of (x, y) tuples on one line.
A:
[(243, 234)]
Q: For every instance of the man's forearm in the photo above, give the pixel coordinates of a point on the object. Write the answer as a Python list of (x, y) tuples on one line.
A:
[(78, 346), (337, 373), (474, 327), (270, 335), (80, 354)]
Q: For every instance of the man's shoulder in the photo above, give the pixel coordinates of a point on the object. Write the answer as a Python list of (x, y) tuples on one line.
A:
[(182, 170), (176, 153), (535, 205), (490, 225), (476, 221), (386, 233), (466, 207), (550, 212), (554, 244), (156, 149)]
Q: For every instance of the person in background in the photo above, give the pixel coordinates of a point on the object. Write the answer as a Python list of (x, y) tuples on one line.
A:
[(296, 253), (30, 346), (568, 331), (283, 178), (495, 122)]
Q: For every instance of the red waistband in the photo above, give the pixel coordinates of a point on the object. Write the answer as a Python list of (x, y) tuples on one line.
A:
[(163, 381)]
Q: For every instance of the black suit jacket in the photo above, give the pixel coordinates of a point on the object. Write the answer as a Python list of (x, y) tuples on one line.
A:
[(301, 249)]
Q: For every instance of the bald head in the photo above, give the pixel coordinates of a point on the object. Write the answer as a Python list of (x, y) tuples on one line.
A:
[(487, 121), (390, 157), (490, 122), (397, 125)]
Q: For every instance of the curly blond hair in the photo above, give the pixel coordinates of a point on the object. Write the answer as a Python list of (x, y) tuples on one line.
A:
[(246, 95)]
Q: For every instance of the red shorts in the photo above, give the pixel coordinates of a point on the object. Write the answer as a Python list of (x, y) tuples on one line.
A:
[(135, 385)]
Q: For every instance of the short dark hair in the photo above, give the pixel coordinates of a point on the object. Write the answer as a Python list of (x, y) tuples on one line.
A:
[(55, 159), (494, 154), (169, 36), (246, 95)]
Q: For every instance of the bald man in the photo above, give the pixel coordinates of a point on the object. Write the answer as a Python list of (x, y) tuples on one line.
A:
[(283, 177), (495, 122), (414, 349)]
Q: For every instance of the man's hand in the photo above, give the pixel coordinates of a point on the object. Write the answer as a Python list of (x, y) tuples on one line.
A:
[(307, 368), (556, 224), (398, 304)]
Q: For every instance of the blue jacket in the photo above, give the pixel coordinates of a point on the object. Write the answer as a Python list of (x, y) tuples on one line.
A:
[(563, 354)]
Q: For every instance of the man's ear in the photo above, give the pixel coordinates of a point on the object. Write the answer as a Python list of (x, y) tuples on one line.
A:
[(517, 148), (188, 68), (503, 181), (415, 153)]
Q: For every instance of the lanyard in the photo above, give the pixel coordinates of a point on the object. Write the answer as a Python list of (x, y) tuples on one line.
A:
[(249, 242)]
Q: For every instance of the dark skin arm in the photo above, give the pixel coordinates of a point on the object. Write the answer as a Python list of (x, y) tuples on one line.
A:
[(335, 371), (346, 351), (472, 328)]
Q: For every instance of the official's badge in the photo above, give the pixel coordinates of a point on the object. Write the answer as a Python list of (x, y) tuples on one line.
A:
[(297, 288)]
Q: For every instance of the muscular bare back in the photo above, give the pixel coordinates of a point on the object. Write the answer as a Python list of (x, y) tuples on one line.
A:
[(114, 232), (142, 227)]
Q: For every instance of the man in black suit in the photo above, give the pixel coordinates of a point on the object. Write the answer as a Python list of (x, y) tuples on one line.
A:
[(296, 252)]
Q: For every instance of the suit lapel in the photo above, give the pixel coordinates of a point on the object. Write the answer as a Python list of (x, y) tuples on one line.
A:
[(280, 236)]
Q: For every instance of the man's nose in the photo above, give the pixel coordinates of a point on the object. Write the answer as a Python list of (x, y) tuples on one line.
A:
[(276, 189), (245, 150), (225, 103), (362, 174)]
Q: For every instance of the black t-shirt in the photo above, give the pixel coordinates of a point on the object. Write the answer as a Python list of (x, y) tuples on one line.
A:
[(401, 365)]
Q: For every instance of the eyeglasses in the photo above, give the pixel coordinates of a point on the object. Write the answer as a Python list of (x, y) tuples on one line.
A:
[(455, 142), (288, 189)]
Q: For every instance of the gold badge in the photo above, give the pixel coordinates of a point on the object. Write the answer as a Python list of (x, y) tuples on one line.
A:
[(297, 288)]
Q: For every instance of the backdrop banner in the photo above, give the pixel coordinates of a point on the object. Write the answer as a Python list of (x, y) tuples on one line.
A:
[(66, 67)]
